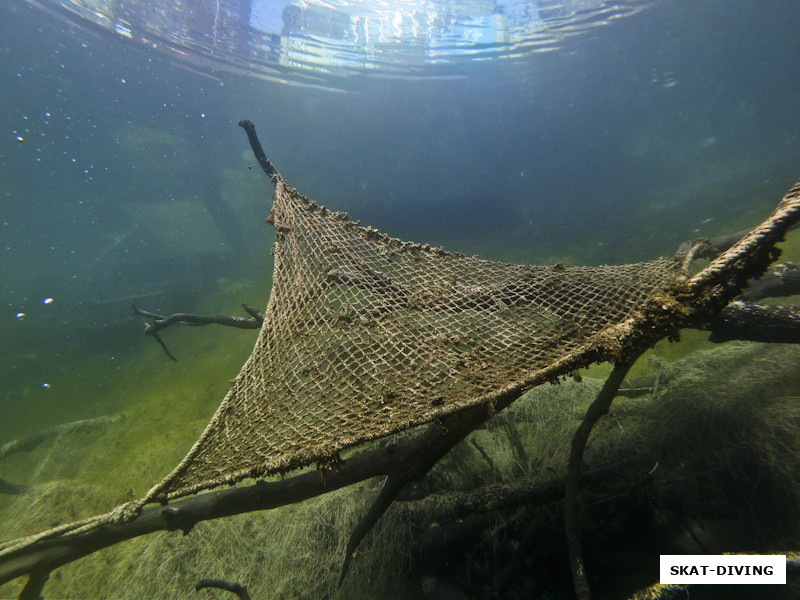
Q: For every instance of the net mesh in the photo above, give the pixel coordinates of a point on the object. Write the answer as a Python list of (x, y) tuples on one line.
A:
[(366, 335)]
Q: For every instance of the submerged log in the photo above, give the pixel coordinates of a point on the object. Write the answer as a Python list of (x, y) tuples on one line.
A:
[(84, 426), (780, 281), (6, 487), (748, 321)]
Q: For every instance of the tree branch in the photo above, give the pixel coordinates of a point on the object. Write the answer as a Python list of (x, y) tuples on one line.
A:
[(744, 320), (781, 280), (713, 246), (6, 487), (455, 428), (29, 443), (748, 321), (239, 590), (158, 322), (265, 164), (596, 411), (35, 584), (507, 496), (51, 553)]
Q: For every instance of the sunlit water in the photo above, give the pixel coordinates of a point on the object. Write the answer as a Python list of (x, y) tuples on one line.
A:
[(317, 41)]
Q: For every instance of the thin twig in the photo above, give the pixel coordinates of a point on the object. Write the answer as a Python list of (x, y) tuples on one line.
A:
[(483, 453)]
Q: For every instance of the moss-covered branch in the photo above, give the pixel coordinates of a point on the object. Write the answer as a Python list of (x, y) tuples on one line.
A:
[(182, 515)]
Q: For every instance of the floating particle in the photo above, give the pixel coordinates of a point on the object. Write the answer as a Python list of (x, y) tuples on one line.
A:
[(47, 301), (46, 386), (20, 315)]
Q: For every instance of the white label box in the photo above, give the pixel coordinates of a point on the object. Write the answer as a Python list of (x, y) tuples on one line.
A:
[(689, 569)]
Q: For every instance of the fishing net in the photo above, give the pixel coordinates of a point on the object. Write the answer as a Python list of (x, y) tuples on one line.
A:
[(366, 335)]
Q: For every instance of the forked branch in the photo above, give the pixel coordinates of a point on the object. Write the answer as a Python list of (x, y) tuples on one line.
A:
[(156, 323)]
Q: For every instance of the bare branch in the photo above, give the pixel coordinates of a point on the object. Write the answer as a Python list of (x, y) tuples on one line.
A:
[(35, 584), (239, 590), (50, 553), (596, 411), (29, 443), (781, 280), (255, 145), (756, 323), (158, 322)]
